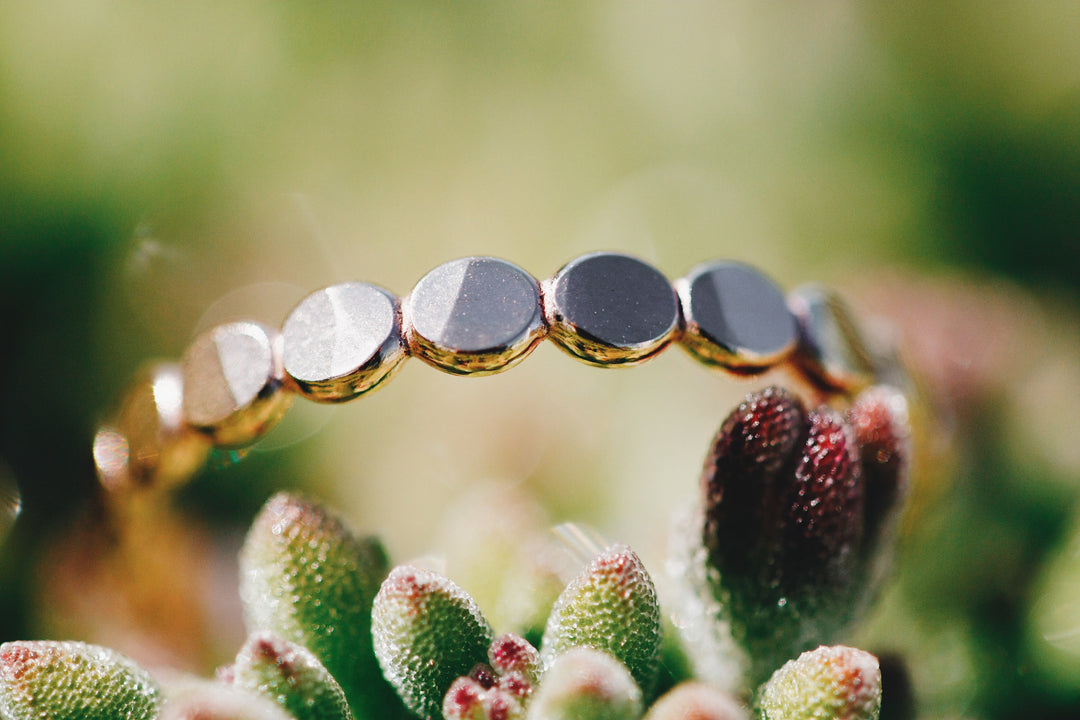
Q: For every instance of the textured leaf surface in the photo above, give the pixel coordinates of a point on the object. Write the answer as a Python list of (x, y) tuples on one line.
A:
[(73, 681), (204, 700), (830, 683), (427, 632), (696, 701), (511, 653), (611, 606), (784, 527), (586, 684), (305, 578), (292, 676)]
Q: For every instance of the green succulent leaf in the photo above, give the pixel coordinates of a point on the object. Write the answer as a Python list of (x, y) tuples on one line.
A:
[(427, 633), (292, 676), (42, 680), (696, 701), (305, 578), (611, 606), (830, 683), (586, 684), (204, 700)]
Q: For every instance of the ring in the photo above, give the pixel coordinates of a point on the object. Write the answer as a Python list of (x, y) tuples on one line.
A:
[(476, 316)]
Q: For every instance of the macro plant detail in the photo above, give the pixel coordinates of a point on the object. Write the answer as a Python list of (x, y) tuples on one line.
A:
[(796, 512), (796, 507)]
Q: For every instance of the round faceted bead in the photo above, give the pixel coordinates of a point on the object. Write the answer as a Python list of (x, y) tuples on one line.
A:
[(233, 379), (149, 445), (832, 349), (342, 341), (608, 309), (735, 317), (476, 315)]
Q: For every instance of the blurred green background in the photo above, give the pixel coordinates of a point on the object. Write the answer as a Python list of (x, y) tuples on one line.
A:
[(167, 166)]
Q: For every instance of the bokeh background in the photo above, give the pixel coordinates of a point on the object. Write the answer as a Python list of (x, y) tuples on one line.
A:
[(167, 166)]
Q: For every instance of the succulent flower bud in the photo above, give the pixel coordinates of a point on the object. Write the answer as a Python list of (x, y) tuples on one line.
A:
[(46, 679), (783, 526), (427, 633), (586, 684), (745, 482), (513, 653), (879, 417), (696, 701), (823, 521), (305, 578), (290, 675), (465, 700), (611, 606), (831, 682), (469, 700)]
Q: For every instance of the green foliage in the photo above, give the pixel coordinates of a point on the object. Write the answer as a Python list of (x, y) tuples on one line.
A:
[(611, 606), (830, 683), (586, 684), (336, 636), (44, 680), (696, 701), (205, 700), (292, 676), (427, 632), (305, 578)]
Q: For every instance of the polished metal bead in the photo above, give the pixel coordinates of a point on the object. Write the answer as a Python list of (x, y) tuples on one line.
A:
[(149, 446), (342, 341), (735, 317), (233, 380), (832, 349), (474, 316), (609, 309)]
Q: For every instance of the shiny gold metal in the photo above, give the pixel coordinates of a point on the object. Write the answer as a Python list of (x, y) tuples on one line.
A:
[(149, 445), (342, 341), (474, 316), (832, 348), (735, 317), (233, 377)]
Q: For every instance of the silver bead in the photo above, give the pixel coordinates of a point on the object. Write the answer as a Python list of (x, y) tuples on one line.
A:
[(832, 349), (342, 341), (233, 378), (149, 446), (735, 317), (474, 316), (610, 309)]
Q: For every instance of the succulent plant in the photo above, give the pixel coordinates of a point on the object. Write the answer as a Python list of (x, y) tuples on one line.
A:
[(305, 578), (586, 684), (290, 675), (428, 632), (789, 526), (798, 507), (43, 679), (840, 683), (696, 701), (611, 606)]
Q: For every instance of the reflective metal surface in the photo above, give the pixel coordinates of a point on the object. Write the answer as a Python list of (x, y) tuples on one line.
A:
[(474, 316), (10, 501), (342, 341), (149, 445), (610, 309), (233, 377), (832, 349), (735, 317)]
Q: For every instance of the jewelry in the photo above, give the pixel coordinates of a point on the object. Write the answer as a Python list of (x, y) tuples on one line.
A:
[(474, 316)]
